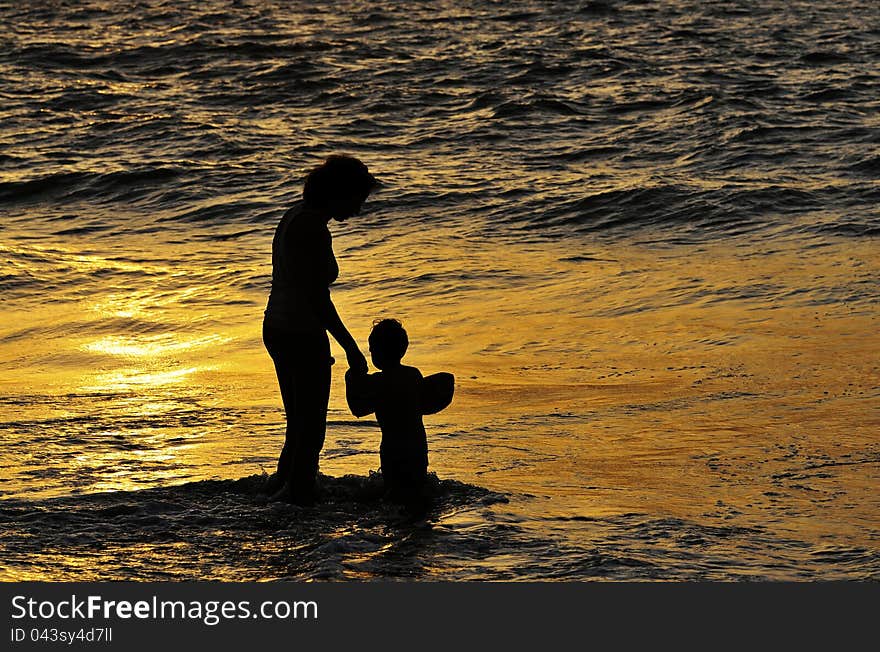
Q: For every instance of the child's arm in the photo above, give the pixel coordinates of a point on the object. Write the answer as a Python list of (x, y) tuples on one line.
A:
[(359, 393)]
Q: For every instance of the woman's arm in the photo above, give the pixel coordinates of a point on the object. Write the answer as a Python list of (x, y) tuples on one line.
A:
[(329, 317), (314, 267)]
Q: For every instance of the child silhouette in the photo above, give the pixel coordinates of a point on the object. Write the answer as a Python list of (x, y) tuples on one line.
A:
[(399, 396)]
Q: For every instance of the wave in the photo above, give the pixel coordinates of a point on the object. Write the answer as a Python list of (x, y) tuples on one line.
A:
[(93, 185), (222, 212), (248, 536), (626, 209), (703, 214), (199, 119), (536, 106), (848, 227), (18, 284), (869, 166), (825, 57), (177, 55)]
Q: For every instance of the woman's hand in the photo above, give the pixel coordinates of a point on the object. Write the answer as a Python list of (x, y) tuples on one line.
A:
[(356, 360)]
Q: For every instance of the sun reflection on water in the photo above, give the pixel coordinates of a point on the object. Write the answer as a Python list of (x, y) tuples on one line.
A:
[(150, 346), (128, 379)]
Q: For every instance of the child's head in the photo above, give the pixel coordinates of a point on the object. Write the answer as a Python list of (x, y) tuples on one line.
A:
[(388, 342)]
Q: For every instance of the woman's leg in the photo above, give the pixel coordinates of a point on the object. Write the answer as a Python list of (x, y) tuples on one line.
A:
[(312, 391), (288, 398), (302, 365), (276, 342)]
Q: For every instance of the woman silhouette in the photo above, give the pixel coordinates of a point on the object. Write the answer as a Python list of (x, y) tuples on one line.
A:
[(300, 313)]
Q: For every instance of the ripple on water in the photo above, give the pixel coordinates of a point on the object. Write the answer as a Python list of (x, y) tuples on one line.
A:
[(351, 533)]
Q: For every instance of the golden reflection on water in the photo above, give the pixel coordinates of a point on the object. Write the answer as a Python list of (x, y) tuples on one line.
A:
[(120, 469), (150, 346), (124, 306), (130, 379), (152, 355), (612, 378), (630, 378)]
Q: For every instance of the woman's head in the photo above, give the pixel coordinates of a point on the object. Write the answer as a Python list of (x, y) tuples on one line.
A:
[(339, 186)]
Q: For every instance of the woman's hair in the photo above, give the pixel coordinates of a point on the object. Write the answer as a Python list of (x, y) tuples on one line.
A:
[(389, 337), (338, 176)]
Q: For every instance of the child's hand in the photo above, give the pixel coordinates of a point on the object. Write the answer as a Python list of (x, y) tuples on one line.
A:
[(359, 392), (356, 361)]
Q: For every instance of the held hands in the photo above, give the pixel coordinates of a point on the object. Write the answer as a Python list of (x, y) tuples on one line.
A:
[(356, 360)]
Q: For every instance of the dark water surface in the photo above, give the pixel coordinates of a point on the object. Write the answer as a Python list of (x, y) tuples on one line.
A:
[(643, 235)]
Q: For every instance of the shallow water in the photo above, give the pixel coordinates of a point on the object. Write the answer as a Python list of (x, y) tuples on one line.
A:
[(643, 237)]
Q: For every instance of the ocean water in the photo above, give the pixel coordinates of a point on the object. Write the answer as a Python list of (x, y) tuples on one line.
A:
[(642, 235)]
